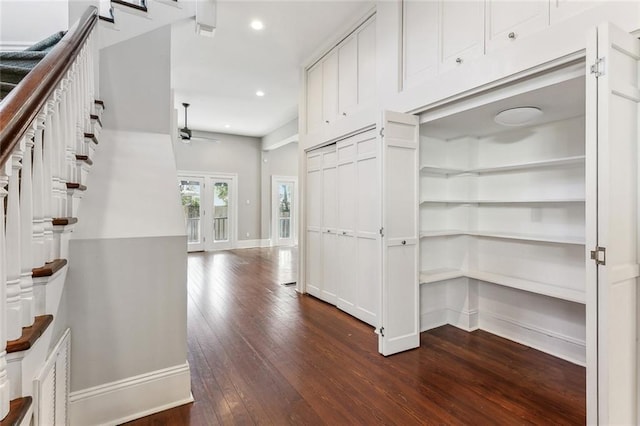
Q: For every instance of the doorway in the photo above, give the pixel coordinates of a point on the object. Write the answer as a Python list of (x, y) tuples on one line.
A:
[(222, 192), (191, 195), (284, 210)]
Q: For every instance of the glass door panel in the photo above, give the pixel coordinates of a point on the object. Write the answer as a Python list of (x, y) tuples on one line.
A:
[(190, 193)]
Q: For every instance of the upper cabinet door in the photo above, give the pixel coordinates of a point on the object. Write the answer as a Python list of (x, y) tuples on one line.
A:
[(330, 87), (563, 9), (314, 97), (400, 323), (348, 76), (367, 63), (420, 28), (461, 32), (506, 21), (613, 115)]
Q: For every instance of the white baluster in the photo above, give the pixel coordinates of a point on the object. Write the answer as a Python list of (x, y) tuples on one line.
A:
[(38, 251), (48, 180), (14, 304), (5, 171), (26, 231)]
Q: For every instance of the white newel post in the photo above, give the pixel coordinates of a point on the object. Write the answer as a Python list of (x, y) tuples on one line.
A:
[(5, 171), (48, 196), (14, 304), (26, 230), (38, 241)]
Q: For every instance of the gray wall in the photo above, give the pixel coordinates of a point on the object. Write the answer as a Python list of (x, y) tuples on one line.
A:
[(135, 82), (127, 305), (229, 154), (282, 161)]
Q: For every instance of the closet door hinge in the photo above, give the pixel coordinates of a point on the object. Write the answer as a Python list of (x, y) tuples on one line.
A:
[(599, 255), (382, 132), (381, 331), (382, 232), (598, 67)]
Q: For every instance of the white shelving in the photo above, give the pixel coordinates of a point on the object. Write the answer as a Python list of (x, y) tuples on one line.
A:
[(553, 162), (440, 274), (503, 201), (556, 239)]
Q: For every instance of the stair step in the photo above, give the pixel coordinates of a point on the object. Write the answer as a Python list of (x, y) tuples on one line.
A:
[(96, 118), (84, 158), (18, 408), (64, 221), (141, 7), (75, 185), (107, 18), (99, 102), (92, 137), (30, 334), (49, 268)]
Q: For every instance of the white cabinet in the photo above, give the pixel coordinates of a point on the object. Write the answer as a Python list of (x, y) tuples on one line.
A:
[(506, 21), (439, 36), (344, 80), (349, 234), (560, 10)]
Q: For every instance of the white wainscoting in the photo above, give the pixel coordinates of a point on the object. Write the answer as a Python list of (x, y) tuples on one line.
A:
[(132, 398)]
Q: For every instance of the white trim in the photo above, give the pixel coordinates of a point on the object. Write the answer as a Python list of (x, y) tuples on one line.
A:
[(243, 244), (286, 141), (15, 46), (545, 340), (131, 398)]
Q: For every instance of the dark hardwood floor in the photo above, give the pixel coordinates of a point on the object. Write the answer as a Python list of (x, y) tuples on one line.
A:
[(261, 353)]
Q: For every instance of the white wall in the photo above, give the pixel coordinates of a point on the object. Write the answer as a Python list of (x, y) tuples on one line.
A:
[(282, 161), (135, 83), (228, 154), (20, 26)]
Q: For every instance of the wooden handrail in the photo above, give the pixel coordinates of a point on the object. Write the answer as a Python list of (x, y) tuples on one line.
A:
[(22, 104)]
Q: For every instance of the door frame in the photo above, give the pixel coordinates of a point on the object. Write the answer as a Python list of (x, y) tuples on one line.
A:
[(274, 237), (192, 247), (206, 206)]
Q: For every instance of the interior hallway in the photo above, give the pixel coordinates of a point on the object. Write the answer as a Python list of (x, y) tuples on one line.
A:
[(261, 353)]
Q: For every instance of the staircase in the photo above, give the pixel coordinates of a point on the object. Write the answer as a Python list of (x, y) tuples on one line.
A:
[(49, 130)]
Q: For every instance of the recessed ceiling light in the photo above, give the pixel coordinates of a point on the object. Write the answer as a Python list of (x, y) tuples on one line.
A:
[(260, 93), (226, 126), (519, 116), (257, 25)]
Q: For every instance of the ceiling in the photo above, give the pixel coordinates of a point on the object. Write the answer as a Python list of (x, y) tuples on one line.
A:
[(219, 76)]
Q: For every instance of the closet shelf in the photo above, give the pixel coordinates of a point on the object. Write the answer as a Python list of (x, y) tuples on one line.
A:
[(553, 162), (556, 239), (551, 290), (504, 201)]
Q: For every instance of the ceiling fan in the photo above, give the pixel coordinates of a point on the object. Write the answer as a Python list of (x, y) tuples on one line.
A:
[(186, 134)]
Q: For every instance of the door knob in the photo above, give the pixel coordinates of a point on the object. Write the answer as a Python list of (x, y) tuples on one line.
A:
[(404, 242), (512, 35)]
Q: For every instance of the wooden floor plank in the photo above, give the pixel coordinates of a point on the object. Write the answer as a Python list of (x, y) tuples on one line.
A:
[(260, 353)]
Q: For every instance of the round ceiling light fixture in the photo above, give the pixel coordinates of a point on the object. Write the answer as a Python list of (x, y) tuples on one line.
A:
[(260, 93), (520, 116), (257, 25)]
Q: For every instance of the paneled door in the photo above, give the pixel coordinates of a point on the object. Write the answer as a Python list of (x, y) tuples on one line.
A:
[(284, 210), (221, 192), (612, 256), (191, 194)]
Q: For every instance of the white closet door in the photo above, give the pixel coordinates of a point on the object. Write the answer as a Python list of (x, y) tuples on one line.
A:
[(461, 32), (420, 41), (329, 227), (348, 76), (346, 188), (330, 87), (314, 98), (367, 62), (400, 328), (507, 21), (314, 224), (612, 174)]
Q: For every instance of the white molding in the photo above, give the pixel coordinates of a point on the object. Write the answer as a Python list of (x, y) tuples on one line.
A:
[(243, 244), (286, 141), (464, 320), (131, 398), (545, 340)]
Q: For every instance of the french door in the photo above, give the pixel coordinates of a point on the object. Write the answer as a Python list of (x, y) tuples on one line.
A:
[(284, 210), (221, 191), (191, 193)]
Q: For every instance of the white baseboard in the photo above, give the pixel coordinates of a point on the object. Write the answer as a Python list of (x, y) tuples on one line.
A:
[(242, 244), (131, 398), (433, 319), (467, 321), (548, 341)]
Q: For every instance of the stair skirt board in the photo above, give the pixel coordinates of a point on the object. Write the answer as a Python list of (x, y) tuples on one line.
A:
[(128, 399)]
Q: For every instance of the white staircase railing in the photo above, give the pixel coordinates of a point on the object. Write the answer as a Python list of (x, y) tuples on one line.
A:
[(43, 123)]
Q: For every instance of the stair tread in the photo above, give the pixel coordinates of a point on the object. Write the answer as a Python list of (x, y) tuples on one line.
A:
[(99, 102), (84, 158), (97, 118), (76, 185), (30, 334), (129, 4), (92, 137), (49, 268), (18, 408), (107, 18), (63, 221)]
